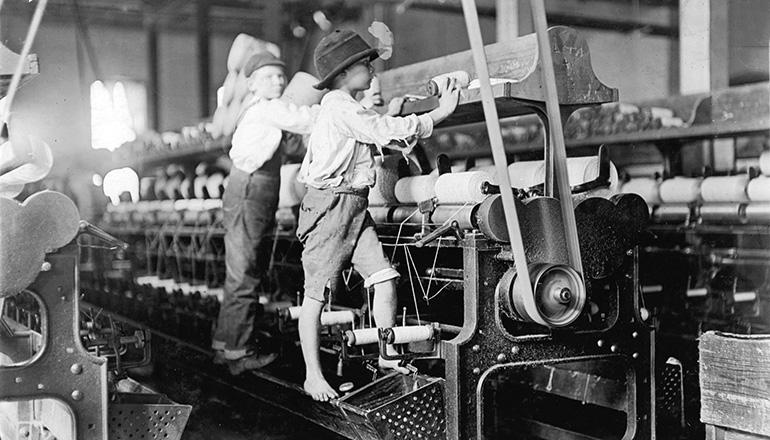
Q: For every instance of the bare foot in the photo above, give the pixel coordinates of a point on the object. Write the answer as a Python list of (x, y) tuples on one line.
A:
[(392, 365), (319, 389)]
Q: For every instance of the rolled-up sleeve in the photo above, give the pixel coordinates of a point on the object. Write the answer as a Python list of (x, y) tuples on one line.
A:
[(370, 127), (288, 117)]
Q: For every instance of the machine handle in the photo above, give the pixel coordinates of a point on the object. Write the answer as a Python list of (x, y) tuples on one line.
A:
[(438, 232)]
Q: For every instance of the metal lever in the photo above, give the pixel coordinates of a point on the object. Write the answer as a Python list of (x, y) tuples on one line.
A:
[(438, 232), (95, 231)]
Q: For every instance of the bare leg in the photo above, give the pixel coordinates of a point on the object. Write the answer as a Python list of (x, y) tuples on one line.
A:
[(384, 311), (309, 324)]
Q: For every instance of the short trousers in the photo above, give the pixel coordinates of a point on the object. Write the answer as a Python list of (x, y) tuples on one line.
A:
[(337, 231)]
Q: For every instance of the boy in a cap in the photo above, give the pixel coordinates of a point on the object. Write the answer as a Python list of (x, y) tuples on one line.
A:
[(268, 129), (338, 170)]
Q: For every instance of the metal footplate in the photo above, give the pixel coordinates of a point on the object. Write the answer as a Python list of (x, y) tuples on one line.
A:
[(398, 406)]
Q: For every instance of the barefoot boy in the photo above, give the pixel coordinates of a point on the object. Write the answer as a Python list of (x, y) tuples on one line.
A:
[(338, 170)]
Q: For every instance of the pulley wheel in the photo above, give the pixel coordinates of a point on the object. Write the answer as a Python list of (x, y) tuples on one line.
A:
[(558, 295)]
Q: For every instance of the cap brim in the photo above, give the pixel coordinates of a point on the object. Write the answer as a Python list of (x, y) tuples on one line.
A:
[(269, 63), (347, 62)]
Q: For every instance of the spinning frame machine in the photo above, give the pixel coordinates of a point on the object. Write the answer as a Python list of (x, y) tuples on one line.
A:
[(568, 328)]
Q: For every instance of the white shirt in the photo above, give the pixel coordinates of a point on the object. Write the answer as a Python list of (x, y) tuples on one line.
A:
[(258, 134), (339, 149)]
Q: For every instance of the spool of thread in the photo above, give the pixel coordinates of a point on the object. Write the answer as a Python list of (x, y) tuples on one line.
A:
[(680, 190), (646, 187), (526, 173), (411, 333), (489, 169), (211, 204), (327, 318), (384, 190), (764, 163), (289, 194), (214, 185), (437, 83), (579, 169), (460, 188), (199, 186), (362, 336), (725, 189), (186, 188), (730, 213), (411, 190), (758, 189)]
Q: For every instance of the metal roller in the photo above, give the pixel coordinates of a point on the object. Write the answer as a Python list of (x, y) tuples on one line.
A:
[(672, 213), (363, 336), (758, 213), (557, 300), (401, 213), (722, 213), (380, 214), (464, 216), (407, 334)]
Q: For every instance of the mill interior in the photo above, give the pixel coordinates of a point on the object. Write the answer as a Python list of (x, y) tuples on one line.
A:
[(575, 226)]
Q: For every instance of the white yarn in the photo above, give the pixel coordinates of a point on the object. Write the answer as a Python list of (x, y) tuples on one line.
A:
[(725, 189), (759, 189), (680, 190), (410, 190), (459, 188), (646, 187)]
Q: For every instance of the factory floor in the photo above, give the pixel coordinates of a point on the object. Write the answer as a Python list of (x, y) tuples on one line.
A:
[(221, 412)]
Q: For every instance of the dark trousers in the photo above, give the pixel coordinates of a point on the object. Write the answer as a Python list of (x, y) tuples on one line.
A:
[(249, 204)]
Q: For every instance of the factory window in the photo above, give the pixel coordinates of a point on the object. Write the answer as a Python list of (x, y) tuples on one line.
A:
[(118, 113), (121, 185)]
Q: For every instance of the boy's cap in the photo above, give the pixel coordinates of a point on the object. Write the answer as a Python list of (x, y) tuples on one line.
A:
[(260, 60), (338, 51)]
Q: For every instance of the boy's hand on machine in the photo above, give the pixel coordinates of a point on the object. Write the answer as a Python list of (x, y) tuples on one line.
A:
[(449, 96), (395, 105)]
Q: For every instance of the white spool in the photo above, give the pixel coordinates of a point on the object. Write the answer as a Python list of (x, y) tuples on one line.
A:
[(725, 189), (327, 318), (680, 190), (579, 169), (744, 296), (759, 189), (213, 183), (362, 336), (489, 169), (198, 186), (438, 82), (410, 190), (412, 333), (460, 188), (646, 187), (291, 192), (764, 163), (526, 173)]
